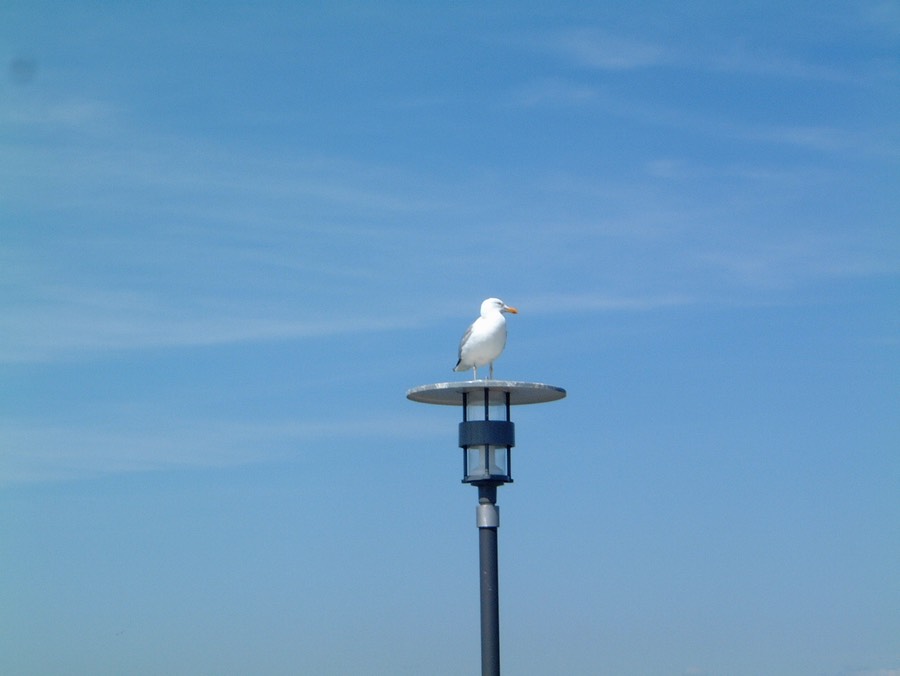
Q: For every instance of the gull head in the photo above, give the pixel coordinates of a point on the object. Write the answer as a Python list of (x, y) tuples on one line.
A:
[(496, 305)]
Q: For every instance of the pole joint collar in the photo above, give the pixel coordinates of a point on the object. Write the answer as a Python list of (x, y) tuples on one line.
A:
[(487, 516)]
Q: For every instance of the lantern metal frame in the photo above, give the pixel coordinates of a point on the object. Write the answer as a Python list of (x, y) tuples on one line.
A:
[(482, 441)]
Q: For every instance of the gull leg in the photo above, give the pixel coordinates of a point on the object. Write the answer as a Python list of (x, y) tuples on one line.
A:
[(492, 371), (475, 369)]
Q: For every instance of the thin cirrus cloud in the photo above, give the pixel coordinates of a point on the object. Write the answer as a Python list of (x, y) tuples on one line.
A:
[(562, 303), (197, 176), (36, 453), (73, 321), (600, 50), (596, 49)]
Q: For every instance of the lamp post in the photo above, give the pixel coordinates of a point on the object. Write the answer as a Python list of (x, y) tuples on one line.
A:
[(487, 436)]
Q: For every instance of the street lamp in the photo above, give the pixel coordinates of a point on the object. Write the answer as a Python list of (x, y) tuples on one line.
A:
[(487, 436)]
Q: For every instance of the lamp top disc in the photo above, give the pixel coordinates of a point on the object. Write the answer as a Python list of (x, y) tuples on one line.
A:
[(451, 394)]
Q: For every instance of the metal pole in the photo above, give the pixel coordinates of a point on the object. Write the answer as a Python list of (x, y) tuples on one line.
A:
[(487, 434), (488, 522)]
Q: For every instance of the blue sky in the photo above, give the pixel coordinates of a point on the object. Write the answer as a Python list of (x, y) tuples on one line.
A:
[(233, 235)]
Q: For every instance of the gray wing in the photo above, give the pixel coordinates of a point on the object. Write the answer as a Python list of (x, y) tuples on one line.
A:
[(462, 341), (466, 336)]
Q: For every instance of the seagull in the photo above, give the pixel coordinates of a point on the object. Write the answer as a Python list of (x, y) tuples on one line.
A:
[(486, 337)]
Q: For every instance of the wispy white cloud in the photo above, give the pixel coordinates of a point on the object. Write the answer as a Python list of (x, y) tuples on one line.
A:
[(604, 302), (794, 260), (72, 114), (825, 138), (69, 321), (602, 50), (741, 60), (38, 113), (587, 49), (882, 15), (874, 140), (681, 169), (39, 452), (555, 92), (599, 49), (114, 171)]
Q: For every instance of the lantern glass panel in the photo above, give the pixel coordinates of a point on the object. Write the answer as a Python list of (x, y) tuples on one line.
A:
[(497, 412), (486, 461)]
